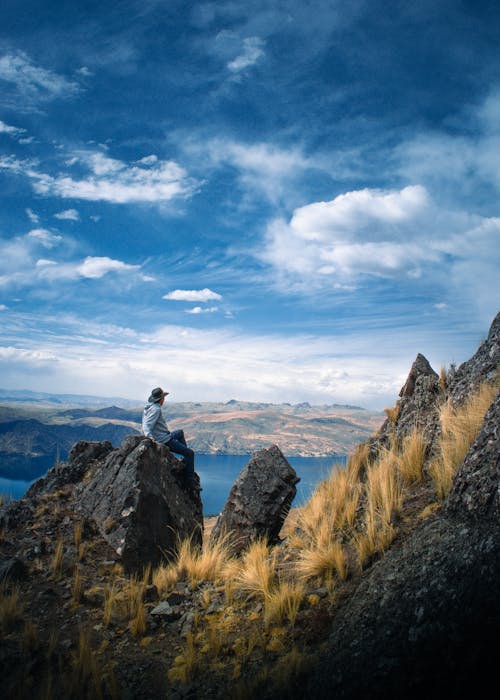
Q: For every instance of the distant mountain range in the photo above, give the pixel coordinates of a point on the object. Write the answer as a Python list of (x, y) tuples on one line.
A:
[(37, 429)]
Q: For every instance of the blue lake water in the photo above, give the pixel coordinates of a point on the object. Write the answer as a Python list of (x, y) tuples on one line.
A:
[(219, 472)]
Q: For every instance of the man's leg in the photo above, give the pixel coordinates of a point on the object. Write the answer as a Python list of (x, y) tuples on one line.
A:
[(177, 444)]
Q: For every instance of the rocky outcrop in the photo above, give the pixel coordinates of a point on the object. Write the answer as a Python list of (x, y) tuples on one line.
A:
[(259, 500), (82, 457), (417, 406), (424, 620), (140, 503)]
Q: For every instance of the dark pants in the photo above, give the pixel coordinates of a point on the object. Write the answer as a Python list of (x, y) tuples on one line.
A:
[(177, 444)]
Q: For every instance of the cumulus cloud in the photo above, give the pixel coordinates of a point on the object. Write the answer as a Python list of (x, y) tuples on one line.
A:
[(366, 231), (192, 295), (393, 235), (109, 179), (95, 267)]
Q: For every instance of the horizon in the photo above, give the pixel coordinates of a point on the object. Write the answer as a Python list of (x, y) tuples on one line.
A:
[(228, 198)]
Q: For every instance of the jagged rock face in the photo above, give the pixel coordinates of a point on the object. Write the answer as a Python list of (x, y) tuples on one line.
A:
[(80, 459), (259, 500), (476, 485), (423, 624), (140, 504), (417, 407), (481, 367)]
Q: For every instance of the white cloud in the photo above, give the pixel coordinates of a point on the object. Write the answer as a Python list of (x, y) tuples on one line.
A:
[(22, 266), (33, 82), (32, 216), (199, 310), (13, 131), (96, 267), (252, 51), (264, 169), (109, 180), (44, 237), (368, 367), (193, 295), (457, 162), (68, 215), (148, 160), (399, 235)]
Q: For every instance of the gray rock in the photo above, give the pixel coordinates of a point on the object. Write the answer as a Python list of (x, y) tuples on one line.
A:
[(259, 500), (416, 408), (140, 505)]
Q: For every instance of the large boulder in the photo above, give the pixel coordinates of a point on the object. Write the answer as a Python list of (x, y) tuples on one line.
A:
[(140, 504), (259, 500)]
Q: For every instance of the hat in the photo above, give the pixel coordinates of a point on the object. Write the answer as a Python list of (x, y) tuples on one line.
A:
[(157, 395)]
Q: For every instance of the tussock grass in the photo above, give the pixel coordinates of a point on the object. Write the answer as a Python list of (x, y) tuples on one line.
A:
[(257, 572), (460, 426), (376, 536), (197, 564), (323, 562), (358, 462), (384, 487), (283, 602), (411, 457)]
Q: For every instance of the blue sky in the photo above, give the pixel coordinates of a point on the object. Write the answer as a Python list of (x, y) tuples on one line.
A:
[(266, 201)]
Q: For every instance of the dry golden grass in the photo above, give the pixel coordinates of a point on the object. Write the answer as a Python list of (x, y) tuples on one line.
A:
[(197, 564), (460, 426), (384, 487), (322, 562), (257, 572), (411, 457), (358, 462), (283, 602)]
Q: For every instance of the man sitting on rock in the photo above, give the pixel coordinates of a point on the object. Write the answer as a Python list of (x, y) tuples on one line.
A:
[(155, 428)]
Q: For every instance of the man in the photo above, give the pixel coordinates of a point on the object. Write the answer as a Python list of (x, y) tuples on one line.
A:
[(155, 428)]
